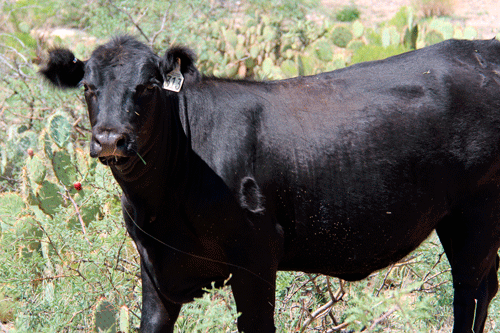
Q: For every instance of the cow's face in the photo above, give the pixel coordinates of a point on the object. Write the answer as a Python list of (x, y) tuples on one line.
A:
[(121, 82), (123, 86)]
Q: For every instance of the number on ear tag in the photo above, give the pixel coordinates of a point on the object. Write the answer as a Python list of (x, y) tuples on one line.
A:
[(174, 79)]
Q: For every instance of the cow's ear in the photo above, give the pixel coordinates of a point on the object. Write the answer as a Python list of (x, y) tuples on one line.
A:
[(62, 69), (181, 58)]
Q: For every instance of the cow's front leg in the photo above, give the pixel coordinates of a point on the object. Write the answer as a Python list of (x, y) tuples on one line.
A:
[(158, 313), (254, 295)]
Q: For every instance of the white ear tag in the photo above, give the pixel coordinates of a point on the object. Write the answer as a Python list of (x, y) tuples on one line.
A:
[(174, 79)]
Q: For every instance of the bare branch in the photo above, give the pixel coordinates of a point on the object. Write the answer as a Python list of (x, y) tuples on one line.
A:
[(337, 328), (162, 27), (135, 23), (434, 266), (380, 319), (326, 308), (68, 196), (385, 280)]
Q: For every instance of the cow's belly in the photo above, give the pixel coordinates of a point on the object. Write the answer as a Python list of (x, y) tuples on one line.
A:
[(355, 247)]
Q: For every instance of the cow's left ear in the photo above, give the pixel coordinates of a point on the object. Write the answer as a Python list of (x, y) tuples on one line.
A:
[(63, 69), (181, 58)]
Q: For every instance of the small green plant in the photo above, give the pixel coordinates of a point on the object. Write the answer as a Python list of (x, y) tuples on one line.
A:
[(348, 14), (214, 312), (341, 36)]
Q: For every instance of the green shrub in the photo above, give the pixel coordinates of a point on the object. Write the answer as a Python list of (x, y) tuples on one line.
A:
[(375, 52), (341, 36), (348, 14)]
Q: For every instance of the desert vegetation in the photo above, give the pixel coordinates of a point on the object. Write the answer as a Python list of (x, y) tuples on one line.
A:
[(66, 262)]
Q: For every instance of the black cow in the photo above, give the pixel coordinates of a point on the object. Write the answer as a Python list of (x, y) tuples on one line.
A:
[(340, 173)]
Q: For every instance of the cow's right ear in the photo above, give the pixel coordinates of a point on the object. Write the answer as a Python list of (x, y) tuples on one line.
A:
[(62, 69)]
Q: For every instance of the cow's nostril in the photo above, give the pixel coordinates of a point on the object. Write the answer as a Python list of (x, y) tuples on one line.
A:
[(109, 143), (121, 143), (97, 142)]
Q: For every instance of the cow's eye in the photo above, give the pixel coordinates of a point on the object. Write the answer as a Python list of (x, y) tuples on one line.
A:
[(145, 89)]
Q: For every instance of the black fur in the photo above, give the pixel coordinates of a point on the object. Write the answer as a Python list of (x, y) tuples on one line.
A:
[(187, 58), (63, 69)]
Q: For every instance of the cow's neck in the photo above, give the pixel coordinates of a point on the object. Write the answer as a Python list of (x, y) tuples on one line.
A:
[(163, 163)]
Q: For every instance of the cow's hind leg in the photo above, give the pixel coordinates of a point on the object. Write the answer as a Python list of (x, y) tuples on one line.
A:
[(158, 314), (470, 237)]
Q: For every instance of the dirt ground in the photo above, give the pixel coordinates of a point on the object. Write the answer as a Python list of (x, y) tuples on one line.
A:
[(483, 15)]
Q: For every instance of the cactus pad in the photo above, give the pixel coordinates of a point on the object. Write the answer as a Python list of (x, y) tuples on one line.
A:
[(63, 167), (341, 36), (49, 197), (124, 320), (36, 170), (104, 317), (59, 129)]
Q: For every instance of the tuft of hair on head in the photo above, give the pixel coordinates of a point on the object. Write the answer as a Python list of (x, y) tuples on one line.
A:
[(63, 69), (187, 59)]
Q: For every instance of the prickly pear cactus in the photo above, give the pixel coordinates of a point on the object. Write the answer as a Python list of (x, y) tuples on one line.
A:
[(323, 50), (341, 36), (36, 170), (27, 192), (59, 129), (104, 317), (64, 169), (289, 68), (45, 143), (124, 320), (49, 197), (52, 170), (357, 29), (433, 37)]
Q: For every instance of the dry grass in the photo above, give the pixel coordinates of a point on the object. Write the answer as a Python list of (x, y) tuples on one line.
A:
[(432, 8)]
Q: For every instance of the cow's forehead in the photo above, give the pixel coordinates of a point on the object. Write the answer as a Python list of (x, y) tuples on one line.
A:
[(123, 59)]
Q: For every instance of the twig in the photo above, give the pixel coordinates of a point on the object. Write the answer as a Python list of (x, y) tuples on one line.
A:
[(86, 280), (131, 19), (337, 328), (380, 319), (326, 308), (385, 280), (49, 239), (434, 266), (52, 277), (313, 316), (27, 117), (437, 274), (68, 195), (118, 268), (162, 27)]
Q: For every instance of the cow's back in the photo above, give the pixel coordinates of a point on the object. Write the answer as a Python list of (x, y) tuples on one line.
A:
[(376, 151)]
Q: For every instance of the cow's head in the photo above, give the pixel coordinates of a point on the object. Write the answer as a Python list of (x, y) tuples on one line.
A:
[(123, 82)]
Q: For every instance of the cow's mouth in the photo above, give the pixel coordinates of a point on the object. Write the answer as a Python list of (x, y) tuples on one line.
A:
[(114, 160)]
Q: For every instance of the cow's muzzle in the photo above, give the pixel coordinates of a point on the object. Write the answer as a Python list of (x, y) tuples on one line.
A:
[(108, 144)]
